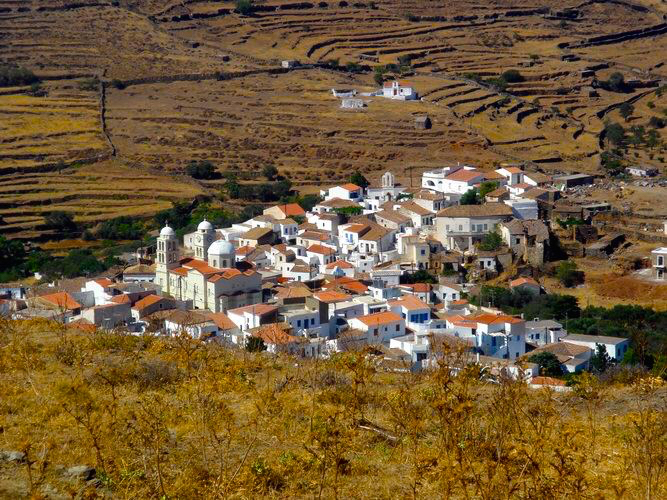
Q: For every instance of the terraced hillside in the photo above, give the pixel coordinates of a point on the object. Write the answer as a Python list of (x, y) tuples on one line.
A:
[(298, 126), (203, 82)]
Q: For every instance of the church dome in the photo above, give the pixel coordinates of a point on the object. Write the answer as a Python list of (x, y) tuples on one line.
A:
[(167, 231), (221, 247), (205, 226)]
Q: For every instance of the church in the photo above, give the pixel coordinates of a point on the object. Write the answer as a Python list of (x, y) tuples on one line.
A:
[(210, 279)]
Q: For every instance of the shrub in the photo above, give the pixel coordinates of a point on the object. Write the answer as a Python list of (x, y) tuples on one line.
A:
[(11, 75), (568, 274), (201, 170), (121, 228), (656, 122), (89, 84), (245, 7), (117, 84), (491, 241), (512, 76), (548, 362), (498, 84), (255, 344), (270, 172), (626, 109), (60, 221), (650, 105)]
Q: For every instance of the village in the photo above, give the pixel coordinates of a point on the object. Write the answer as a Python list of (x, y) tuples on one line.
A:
[(386, 268)]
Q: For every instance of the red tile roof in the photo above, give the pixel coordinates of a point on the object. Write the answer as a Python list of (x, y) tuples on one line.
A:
[(291, 209), (321, 249), (380, 318), (257, 309), (62, 300), (331, 297), (464, 175), (523, 281), (343, 264), (105, 282), (409, 302), (418, 287), (222, 321), (488, 319), (149, 300), (199, 265), (123, 298), (275, 334), (350, 187)]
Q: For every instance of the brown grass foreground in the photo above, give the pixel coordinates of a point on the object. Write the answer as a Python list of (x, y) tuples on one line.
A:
[(181, 419)]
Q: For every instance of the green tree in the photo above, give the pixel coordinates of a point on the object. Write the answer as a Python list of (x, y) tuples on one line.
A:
[(600, 361), (486, 187), (652, 139), (470, 197), (12, 254), (60, 221), (512, 76), (233, 188), (491, 241), (616, 82), (358, 179), (378, 74), (568, 273), (548, 362), (121, 228), (615, 133), (626, 109), (12, 75), (270, 172), (201, 170), (245, 7), (611, 163)]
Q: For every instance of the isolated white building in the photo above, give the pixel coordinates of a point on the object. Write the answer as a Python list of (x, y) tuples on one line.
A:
[(399, 90)]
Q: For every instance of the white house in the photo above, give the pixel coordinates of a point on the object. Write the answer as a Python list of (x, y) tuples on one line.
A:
[(513, 175), (101, 290), (459, 227), (340, 268), (545, 331), (320, 255), (379, 328), (194, 323), (461, 180), (399, 90), (253, 316), (349, 191), (659, 262), (414, 311), (616, 346)]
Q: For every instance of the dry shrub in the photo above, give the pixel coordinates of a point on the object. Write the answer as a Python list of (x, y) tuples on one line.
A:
[(169, 418)]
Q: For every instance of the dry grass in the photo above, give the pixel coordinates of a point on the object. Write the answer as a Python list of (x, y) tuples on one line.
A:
[(177, 418)]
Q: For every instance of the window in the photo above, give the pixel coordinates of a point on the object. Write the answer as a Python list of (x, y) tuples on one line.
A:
[(460, 227), (447, 227), (423, 251), (398, 328), (298, 323), (661, 260)]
